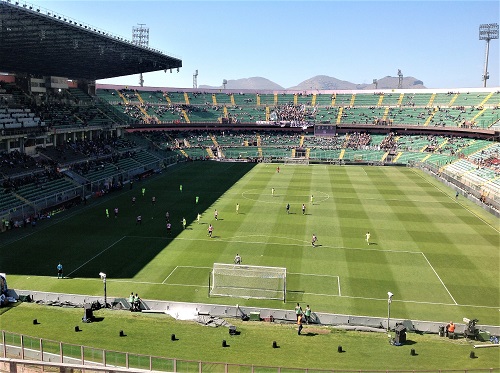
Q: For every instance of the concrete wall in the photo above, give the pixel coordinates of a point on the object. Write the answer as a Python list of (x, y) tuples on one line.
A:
[(189, 311)]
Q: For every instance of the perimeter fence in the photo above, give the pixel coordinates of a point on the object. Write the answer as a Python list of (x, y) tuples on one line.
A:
[(20, 353)]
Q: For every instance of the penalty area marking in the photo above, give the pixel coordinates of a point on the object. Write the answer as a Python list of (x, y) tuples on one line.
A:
[(313, 294), (301, 244), (439, 278), (305, 274), (95, 256), (291, 273), (316, 275), (294, 244), (173, 270)]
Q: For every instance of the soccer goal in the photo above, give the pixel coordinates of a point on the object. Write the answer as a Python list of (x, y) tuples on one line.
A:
[(299, 161), (243, 281)]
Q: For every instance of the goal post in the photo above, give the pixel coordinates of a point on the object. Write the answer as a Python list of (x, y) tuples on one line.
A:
[(297, 161), (245, 281)]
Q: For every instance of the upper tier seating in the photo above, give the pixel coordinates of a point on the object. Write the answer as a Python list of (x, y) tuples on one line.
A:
[(420, 109)]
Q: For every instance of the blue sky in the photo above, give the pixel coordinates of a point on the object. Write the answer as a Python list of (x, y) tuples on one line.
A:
[(291, 41)]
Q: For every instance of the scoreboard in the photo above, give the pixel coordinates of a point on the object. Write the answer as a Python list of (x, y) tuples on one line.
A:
[(325, 130)]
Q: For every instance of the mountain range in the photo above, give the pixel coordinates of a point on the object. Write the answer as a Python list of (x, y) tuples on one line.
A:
[(320, 82)]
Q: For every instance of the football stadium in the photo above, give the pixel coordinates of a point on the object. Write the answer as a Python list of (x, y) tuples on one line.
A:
[(228, 230)]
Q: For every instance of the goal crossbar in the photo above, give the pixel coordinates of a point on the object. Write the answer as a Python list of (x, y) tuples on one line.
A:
[(245, 281), (298, 161)]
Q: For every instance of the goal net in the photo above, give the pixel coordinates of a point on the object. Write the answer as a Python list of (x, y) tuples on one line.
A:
[(300, 161), (243, 281)]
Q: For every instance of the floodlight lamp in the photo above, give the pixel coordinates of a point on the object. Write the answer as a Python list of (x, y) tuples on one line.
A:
[(390, 294)]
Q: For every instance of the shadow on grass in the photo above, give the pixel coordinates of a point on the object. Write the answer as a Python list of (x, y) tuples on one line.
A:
[(98, 247), (8, 307)]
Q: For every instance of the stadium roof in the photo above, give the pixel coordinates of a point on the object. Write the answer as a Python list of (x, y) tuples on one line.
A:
[(39, 42)]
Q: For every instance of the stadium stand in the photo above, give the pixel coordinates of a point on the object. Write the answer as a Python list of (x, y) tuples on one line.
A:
[(460, 109), (106, 137)]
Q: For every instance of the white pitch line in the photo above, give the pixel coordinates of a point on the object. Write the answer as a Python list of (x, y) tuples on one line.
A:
[(317, 275), (439, 278), (170, 274), (151, 237), (164, 281), (295, 245), (302, 243), (465, 207), (193, 267), (401, 301), (95, 256), (310, 274), (248, 193), (314, 294)]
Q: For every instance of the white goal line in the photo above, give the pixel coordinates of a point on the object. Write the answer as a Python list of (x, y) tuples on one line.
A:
[(317, 275), (289, 273)]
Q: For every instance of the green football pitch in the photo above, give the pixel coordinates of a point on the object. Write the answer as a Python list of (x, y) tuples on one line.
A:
[(439, 255)]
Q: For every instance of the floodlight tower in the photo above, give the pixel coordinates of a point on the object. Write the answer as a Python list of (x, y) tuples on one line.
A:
[(224, 83), (375, 81), (140, 37), (400, 79), (487, 31), (195, 79)]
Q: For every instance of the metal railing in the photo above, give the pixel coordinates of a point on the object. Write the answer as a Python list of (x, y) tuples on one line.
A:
[(19, 348), (33, 206)]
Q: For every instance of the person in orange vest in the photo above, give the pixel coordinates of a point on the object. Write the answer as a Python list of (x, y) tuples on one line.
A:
[(450, 329)]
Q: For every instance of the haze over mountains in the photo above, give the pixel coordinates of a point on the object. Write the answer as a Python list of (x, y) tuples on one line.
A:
[(320, 82)]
